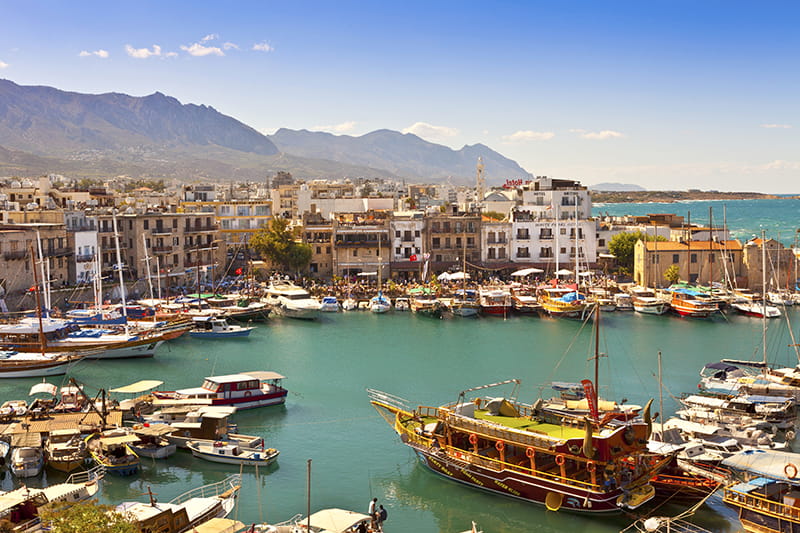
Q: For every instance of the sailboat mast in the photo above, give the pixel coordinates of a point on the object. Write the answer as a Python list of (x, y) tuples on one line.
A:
[(660, 395), (764, 299), (44, 274), (558, 250), (597, 354), (119, 270), (42, 339), (711, 247), (577, 248), (147, 264)]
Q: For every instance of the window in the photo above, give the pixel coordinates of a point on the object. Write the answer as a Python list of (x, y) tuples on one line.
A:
[(563, 250), (355, 252), (435, 242), (601, 242), (435, 227), (675, 258), (693, 258), (546, 252), (398, 251), (501, 253), (447, 242), (397, 234), (406, 235), (563, 231), (146, 224), (491, 237), (438, 259), (471, 242), (458, 242), (174, 223), (523, 252), (416, 233), (327, 249), (655, 260), (491, 253), (407, 252), (458, 227), (446, 227), (319, 249), (501, 236), (523, 234)]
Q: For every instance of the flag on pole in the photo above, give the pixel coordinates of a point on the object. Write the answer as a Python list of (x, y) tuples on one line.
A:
[(413, 257), (238, 271)]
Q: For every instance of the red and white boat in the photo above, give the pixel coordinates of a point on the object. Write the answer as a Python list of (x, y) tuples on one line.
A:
[(495, 302), (247, 390)]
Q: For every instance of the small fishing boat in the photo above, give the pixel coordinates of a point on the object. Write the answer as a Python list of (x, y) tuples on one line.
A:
[(646, 302), (27, 460), (113, 452), (495, 302), (423, 302), (324, 521), (211, 327), (288, 300), (350, 304), (401, 304), (15, 364), (464, 303), (152, 441), (380, 304), (230, 453), (65, 450), (188, 511), (329, 304)]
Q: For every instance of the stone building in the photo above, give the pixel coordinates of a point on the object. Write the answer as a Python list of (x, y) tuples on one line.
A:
[(698, 262)]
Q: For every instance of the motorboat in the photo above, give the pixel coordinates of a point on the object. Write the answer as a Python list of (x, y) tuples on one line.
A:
[(495, 302), (232, 453), (464, 303), (186, 512), (65, 450), (350, 304), (288, 300), (247, 390), (623, 301), (401, 303), (210, 327), (646, 302), (152, 441), (758, 309), (27, 461), (324, 521), (380, 304), (329, 304), (112, 451)]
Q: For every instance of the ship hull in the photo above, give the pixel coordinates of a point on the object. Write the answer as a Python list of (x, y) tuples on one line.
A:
[(516, 485)]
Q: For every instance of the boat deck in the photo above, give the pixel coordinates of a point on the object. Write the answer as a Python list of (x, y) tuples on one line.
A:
[(534, 426)]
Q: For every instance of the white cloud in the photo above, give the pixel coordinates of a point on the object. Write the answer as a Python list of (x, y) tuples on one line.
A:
[(344, 127), (229, 46), (780, 164), (3, 65), (103, 54), (209, 37), (198, 50), (142, 53), (780, 126), (429, 131), (263, 47), (171, 54), (528, 135), (599, 135)]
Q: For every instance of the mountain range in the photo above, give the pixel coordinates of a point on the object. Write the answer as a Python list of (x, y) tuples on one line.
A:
[(44, 130)]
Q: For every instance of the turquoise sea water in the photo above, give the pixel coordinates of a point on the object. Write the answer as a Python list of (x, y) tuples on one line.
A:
[(745, 218), (327, 417), (356, 455)]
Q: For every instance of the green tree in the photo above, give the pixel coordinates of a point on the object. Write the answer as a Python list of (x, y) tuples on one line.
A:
[(622, 246), (672, 274), (84, 517), (279, 244), (494, 215)]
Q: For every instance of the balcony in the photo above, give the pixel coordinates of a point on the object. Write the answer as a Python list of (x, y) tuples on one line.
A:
[(84, 258), (497, 241), (59, 252), (546, 237), (162, 249), (199, 229), (523, 236), (161, 231), (524, 255), (20, 254)]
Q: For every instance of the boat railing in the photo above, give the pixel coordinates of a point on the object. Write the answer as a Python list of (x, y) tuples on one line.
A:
[(389, 399), (89, 476), (498, 465), (211, 490), (760, 504), (492, 431)]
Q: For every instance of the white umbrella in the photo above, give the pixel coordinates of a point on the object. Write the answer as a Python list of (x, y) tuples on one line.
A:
[(44, 388), (458, 276), (585, 274), (444, 276), (527, 272), (563, 272)]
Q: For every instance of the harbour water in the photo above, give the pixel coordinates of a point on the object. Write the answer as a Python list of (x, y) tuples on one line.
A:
[(327, 417)]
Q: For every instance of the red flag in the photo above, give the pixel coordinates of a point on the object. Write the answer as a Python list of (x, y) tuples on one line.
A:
[(588, 389), (413, 257), (238, 271), (32, 289)]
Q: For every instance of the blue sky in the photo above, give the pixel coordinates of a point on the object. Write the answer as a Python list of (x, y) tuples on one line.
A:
[(678, 94)]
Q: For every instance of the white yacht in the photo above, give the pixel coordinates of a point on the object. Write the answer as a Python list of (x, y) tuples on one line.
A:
[(287, 299)]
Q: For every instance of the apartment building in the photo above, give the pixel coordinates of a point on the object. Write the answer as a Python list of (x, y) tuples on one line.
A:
[(450, 236), (361, 243), (407, 235), (318, 234), (698, 262)]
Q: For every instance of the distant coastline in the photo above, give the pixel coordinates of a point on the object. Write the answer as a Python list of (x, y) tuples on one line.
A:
[(677, 196)]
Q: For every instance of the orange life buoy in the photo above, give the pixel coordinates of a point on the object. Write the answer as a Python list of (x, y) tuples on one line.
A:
[(530, 453), (560, 459), (500, 446), (473, 439), (591, 466), (790, 470)]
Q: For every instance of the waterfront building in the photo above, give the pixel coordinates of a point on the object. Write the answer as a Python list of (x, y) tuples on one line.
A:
[(356, 238), (781, 268), (318, 234), (329, 198), (698, 262), (407, 229), (495, 243), (15, 243), (449, 236), (83, 231)]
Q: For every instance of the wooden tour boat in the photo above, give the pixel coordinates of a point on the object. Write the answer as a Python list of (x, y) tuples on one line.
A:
[(519, 450), (247, 390)]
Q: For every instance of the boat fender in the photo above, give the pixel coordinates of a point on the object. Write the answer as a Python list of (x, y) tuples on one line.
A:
[(530, 453), (560, 459), (790, 470), (591, 466), (473, 439), (500, 446)]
